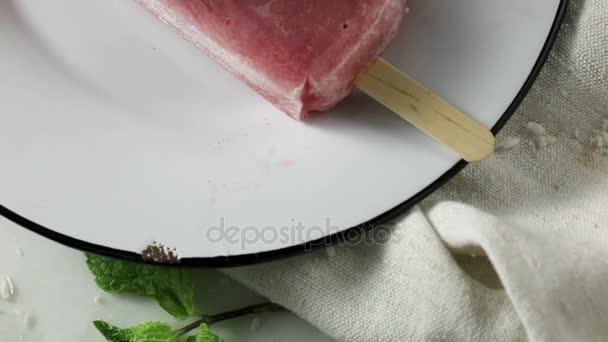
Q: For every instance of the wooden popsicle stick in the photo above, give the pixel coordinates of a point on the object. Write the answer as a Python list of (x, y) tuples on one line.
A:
[(427, 111)]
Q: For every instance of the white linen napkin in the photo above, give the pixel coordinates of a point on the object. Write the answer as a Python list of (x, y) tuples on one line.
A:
[(538, 210)]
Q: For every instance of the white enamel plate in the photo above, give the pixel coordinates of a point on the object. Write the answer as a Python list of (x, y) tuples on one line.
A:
[(116, 134)]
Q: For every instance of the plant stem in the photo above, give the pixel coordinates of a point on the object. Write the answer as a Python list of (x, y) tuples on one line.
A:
[(224, 316), (190, 327), (267, 307)]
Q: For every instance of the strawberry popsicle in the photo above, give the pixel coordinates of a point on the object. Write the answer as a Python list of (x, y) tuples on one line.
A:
[(303, 56)]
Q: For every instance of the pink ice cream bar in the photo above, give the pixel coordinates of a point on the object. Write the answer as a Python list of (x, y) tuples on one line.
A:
[(301, 55)]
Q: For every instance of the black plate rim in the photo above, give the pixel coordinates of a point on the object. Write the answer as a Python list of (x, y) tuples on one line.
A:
[(346, 235)]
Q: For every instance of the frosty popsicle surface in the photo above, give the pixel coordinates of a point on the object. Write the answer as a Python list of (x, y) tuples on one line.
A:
[(303, 56)]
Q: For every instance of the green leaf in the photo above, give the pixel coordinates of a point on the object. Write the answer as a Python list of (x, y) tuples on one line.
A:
[(204, 335), (172, 287), (146, 332)]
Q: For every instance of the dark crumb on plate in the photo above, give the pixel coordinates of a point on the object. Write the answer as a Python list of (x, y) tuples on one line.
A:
[(159, 253)]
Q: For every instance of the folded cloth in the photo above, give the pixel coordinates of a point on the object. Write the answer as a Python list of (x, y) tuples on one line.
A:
[(512, 249)]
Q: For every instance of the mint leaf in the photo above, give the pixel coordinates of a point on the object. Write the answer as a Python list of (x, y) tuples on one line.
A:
[(172, 287), (204, 335), (146, 332)]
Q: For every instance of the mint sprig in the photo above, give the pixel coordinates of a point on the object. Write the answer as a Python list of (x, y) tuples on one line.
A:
[(146, 332), (153, 332), (172, 287)]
